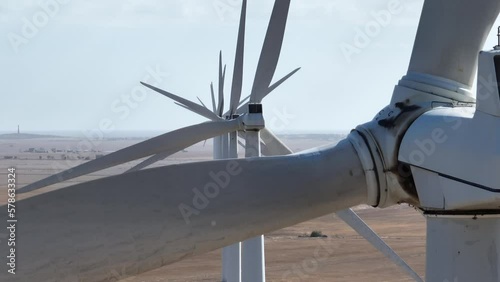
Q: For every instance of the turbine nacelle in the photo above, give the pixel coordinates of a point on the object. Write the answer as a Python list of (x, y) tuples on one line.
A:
[(377, 142), (454, 152), (488, 76), (254, 119), (413, 150)]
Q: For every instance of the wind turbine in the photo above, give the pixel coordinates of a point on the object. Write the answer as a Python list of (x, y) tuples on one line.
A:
[(432, 147), (254, 269), (253, 258)]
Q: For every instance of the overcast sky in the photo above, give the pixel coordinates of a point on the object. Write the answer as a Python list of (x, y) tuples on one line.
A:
[(76, 65)]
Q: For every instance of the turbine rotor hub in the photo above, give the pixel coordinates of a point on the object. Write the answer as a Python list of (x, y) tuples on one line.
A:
[(377, 142)]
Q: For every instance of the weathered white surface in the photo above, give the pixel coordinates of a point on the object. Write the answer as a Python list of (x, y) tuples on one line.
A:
[(450, 35), (458, 143), (463, 248), (488, 96), (169, 142), (271, 50), (131, 223), (273, 143)]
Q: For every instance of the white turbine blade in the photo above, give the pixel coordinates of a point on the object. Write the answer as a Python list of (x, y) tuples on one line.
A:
[(270, 51), (189, 105), (158, 157), (183, 106), (457, 30), (201, 102), (223, 81), (214, 107), (244, 100), (243, 107), (220, 106), (214, 117), (279, 82), (273, 143), (198, 110), (237, 82), (264, 150), (134, 222), (175, 140), (353, 220), (151, 160)]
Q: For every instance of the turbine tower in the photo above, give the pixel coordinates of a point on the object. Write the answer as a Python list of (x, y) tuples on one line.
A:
[(435, 146)]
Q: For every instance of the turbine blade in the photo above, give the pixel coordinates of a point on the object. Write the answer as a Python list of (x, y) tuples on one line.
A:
[(183, 106), (244, 100), (222, 91), (135, 222), (270, 51), (151, 160), (353, 220), (190, 105), (264, 150), (220, 105), (175, 140), (237, 82), (201, 102), (161, 156), (243, 107), (274, 144), (457, 37), (214, 107), (279, 82)]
